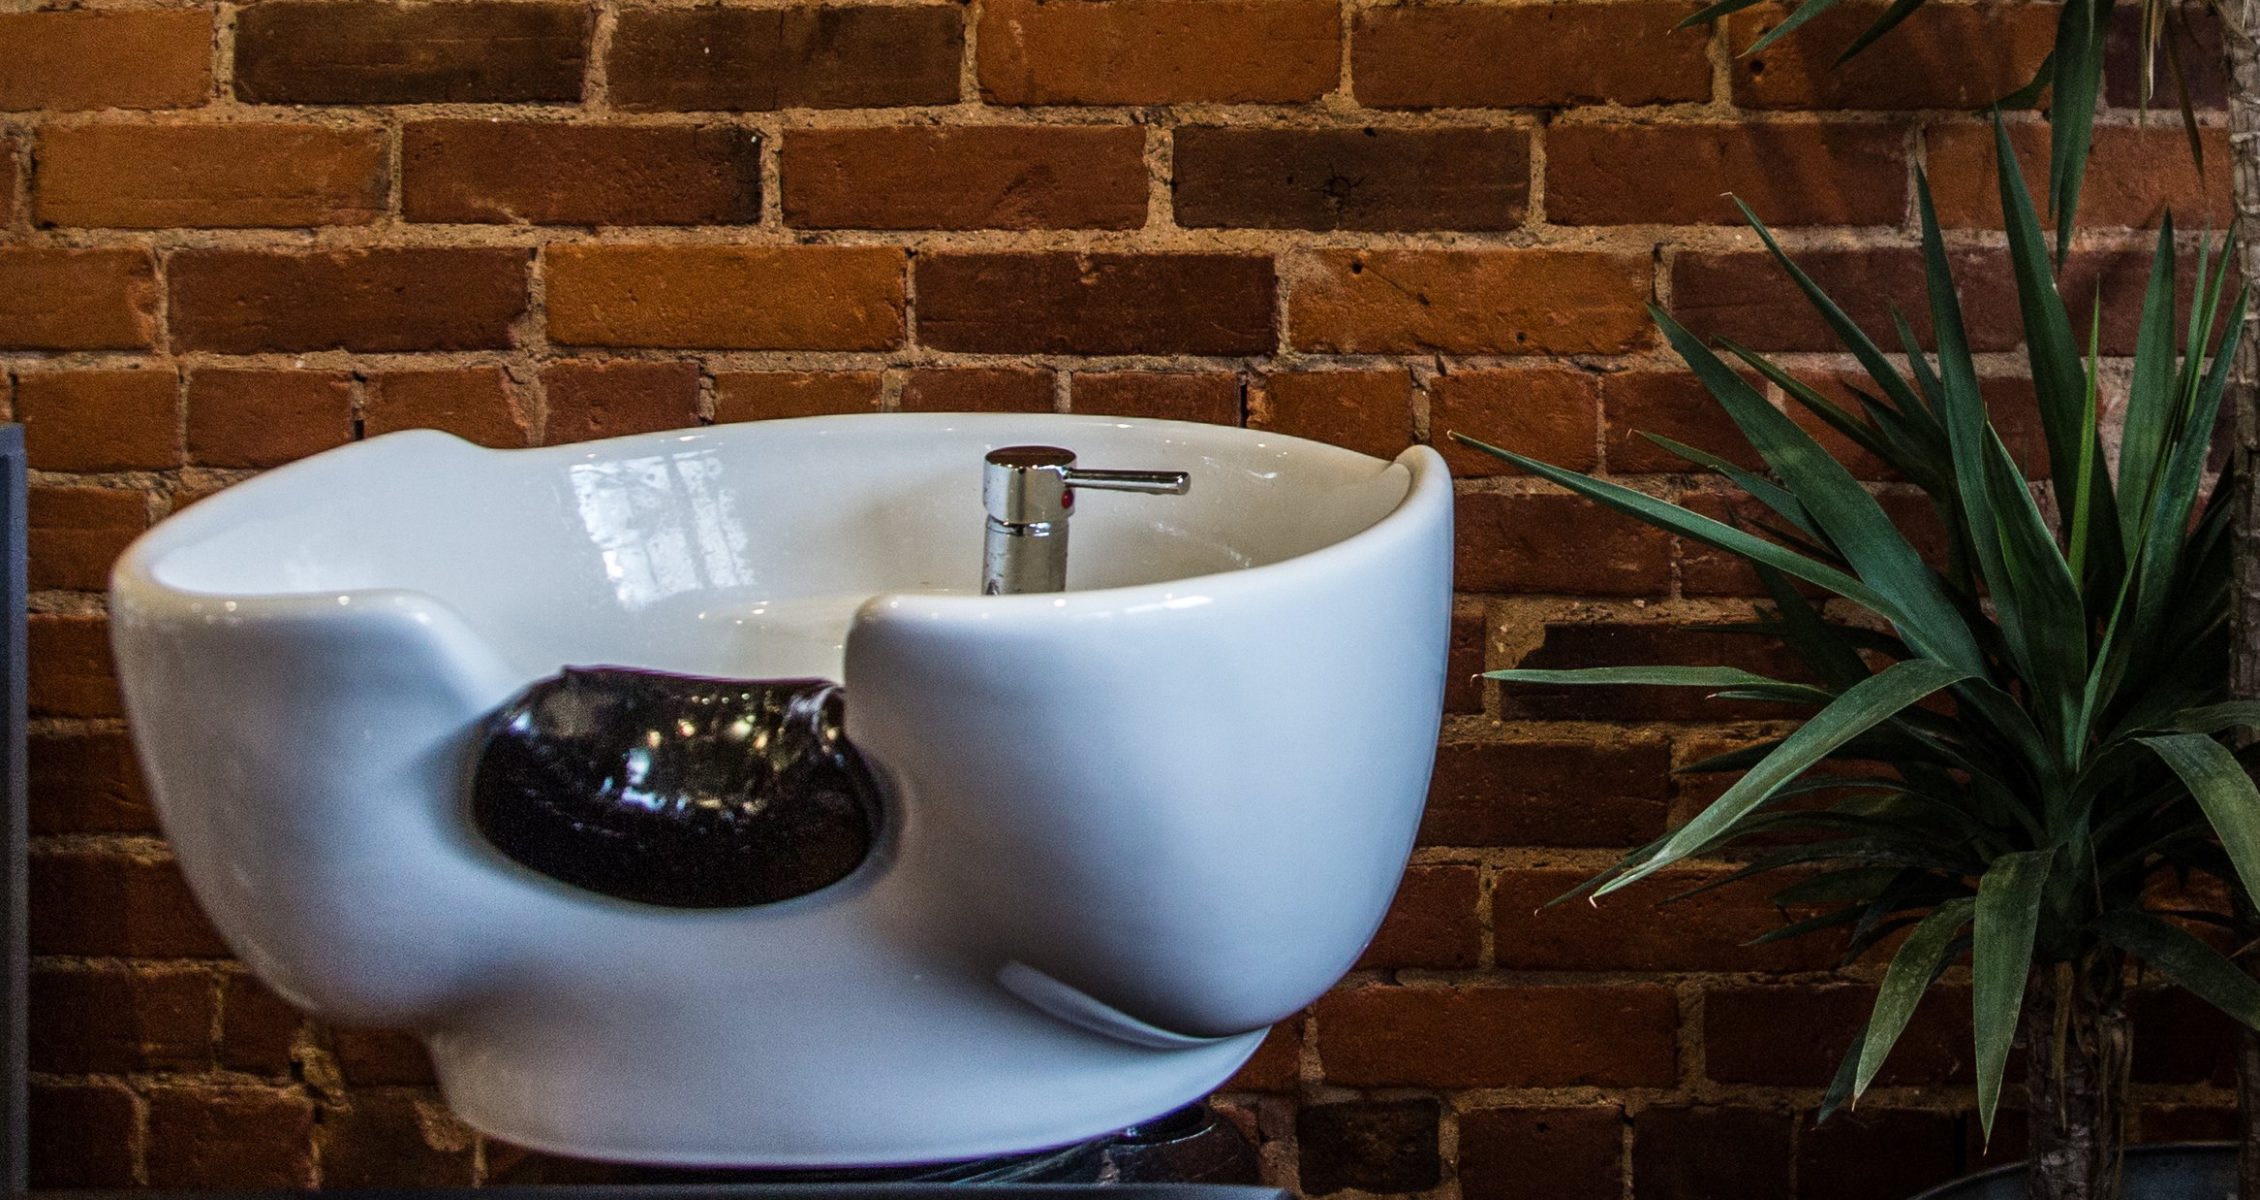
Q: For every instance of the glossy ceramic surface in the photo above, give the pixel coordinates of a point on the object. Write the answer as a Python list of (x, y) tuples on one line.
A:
[(1123, 828)]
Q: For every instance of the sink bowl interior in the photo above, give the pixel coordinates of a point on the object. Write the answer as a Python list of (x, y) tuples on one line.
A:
[(744, 550)]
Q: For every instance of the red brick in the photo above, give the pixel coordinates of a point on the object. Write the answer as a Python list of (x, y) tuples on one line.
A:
[(2187, 1123), (1672, 404), (1569, 1153), (92, 902), (1942, 56), (2011, 404), (257, 1027), (1557, 545), (266, 418), (2184, 1040), (1499, 1036), (2203, 62), (395, 1140), (1600, 644), (70, 674), (978, 177), (477, 404), (1366, 411), (381, 1057), (1379, 179), (1276, 1065), (53, 298), (82, 1135), (1638, 930), (978, 389), (757, 59), (114, 1020), (1159, 51), (100, 420), (76, 533), (1513, 301), (247, 301), (1061, 303), (1703, 1151), (1797, 1035), (1706, 571), (1567, 792), (235, 1139), (87, 783), (1872, 1154), (106, 59), (1745, 296), (589, 400), (552, 173), (1480, 56), (2139, 173), (1211, 397), (1550, 414), (375, 52), (1386, 1147), (1463, 683), (1432, 922), (1790, 174), (758, 395), (726, 297), (217, 176)]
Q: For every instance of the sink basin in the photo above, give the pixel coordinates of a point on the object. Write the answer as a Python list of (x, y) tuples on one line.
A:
[(1124, 829)]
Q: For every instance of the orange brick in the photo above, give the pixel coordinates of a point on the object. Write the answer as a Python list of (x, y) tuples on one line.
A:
[(1209, 396), (979, 177), (266, 418), (1952, 56), (70, 673), (1499, 1036), (2137, 174), (106, 59), (1159, 51), (9, 204), (726, 297), (216, 176), (476, 404), (978, 389), (100, 420), (759, 395), (77, 532), (609, 399), (1366, 411), (1788, 173), (1514, 301), (1550, 414), (1479, 55), (1671, 404), (53, 298)]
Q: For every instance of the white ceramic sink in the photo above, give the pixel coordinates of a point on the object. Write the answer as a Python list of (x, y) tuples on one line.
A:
[(1125, 828)]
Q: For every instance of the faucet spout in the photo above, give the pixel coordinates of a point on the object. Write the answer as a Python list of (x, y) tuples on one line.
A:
[(1029, 492)]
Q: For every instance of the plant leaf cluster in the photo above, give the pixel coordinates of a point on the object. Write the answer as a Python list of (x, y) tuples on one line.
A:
[(2071, 76), (1998, 756)]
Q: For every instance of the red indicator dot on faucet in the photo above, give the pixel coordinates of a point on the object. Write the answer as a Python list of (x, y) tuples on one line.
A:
[(1067, 498)]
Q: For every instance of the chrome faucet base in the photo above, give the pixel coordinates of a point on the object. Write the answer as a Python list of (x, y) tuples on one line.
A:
[(1029, 492)]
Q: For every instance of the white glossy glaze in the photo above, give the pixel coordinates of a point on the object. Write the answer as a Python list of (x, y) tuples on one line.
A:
[(1128, 826)]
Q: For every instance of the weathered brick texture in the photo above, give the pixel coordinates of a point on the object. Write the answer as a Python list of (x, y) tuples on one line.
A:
[(232, 235)]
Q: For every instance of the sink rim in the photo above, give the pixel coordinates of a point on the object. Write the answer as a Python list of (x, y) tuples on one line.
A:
[(134, 580)]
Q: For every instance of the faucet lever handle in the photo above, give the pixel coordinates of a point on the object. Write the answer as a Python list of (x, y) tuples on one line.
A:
[(1156, 483)]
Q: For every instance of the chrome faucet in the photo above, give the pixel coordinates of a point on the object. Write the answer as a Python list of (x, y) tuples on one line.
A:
[(1030, 492)]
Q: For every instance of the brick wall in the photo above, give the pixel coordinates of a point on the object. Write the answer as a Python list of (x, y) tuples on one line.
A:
[(235, 234)]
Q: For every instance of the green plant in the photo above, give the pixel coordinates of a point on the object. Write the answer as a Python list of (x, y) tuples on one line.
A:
[(2016, 742), (2071, 77)]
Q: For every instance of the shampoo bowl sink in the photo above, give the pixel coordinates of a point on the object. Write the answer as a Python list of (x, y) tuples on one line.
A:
[(1122, 829)]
